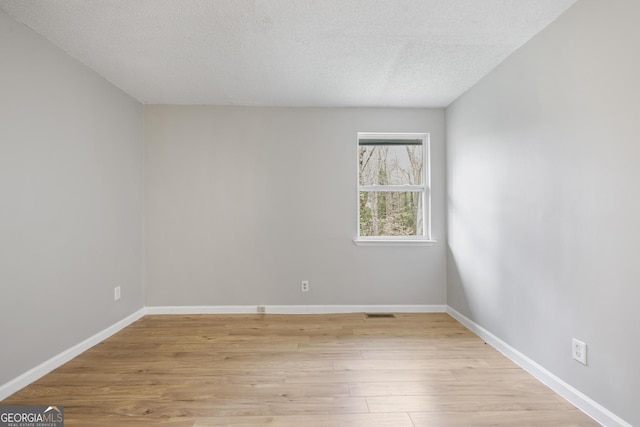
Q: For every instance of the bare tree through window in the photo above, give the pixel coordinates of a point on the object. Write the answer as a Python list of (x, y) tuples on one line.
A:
[(391, 186)]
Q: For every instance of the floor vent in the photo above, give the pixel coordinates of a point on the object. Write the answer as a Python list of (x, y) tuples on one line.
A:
[(379, 316)]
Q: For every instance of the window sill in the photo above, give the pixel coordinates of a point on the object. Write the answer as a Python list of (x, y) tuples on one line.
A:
[(394, 242)]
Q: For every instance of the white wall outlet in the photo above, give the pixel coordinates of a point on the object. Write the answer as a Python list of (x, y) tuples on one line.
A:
[(304, 286), (116, 293), (262, 309), (579, 351)]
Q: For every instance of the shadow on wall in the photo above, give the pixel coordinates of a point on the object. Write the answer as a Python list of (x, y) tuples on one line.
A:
[(456, 295)]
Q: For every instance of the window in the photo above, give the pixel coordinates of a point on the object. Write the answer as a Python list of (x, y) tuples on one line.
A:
[(393, 188)]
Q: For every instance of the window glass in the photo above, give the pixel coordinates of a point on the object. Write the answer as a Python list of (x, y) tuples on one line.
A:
[(393, 196), (390, 164), (391, 213)]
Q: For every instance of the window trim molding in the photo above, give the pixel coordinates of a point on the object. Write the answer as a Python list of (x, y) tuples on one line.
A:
[(386, 241), (421, 240)]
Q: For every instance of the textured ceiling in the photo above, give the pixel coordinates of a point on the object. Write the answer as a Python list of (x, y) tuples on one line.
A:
[(421, 53)]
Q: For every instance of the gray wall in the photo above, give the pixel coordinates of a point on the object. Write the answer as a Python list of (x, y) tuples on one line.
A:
[(70, 201), (244, 203), (544, 202)]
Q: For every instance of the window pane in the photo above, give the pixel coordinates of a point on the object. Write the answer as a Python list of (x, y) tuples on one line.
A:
[(390, 164), (391, 213)]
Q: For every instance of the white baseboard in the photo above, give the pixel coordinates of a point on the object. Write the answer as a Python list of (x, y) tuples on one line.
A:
[(577, 398), (60, 359), (296, 309)]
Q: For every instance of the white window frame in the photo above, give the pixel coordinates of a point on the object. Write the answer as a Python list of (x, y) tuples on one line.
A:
[(421, 240)]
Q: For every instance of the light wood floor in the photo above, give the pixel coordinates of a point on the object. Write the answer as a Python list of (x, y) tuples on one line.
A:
[(311, 370)]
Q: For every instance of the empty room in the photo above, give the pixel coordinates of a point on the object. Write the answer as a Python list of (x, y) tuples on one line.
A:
[(319, 213)]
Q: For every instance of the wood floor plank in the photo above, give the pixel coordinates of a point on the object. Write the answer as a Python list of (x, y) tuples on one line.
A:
[(216, 407), (190, 391), (374, 375), (465, 403), (119, 421), (528, 388), (568, 418), (348, 420), (416, 364), (309, 370), (185, 365), (154, 379), (426, 354)]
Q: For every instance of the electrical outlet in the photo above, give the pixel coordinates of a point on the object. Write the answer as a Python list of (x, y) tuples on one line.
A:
[(579, 351), (116, 293), (304, 286), (262, 309)]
